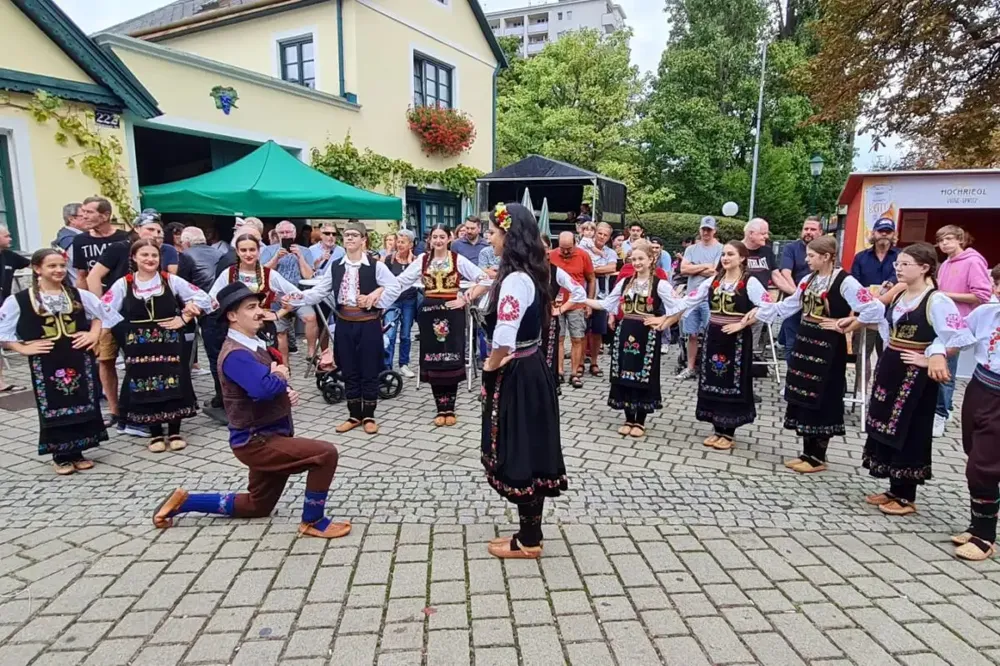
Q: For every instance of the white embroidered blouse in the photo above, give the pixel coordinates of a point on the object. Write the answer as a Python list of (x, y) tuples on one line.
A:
[(111, 303), (10, 311), (984, 325), (952, 331), (870, 310)]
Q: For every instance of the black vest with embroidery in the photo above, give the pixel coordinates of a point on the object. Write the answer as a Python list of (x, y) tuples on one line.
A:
[(35, 325), (634, 304), (914, 329), (734, 304), (834, 305), (367, 283)]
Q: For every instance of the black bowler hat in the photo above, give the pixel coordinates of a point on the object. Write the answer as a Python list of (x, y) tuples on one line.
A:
[(231, 296)]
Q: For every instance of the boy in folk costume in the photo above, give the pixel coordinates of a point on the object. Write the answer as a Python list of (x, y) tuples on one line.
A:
[(258, 402), (362, 288)]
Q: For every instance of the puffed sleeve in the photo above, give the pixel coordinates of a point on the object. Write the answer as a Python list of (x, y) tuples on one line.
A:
[(949, 325), (577, 294), (470, 271), (674, 304), (610, 302), (91, 306), (757, 293), (517, 293), (772, 313), (411, 274), (10, 312), (870, 310), (219, 283), (388, 282), (111, 303), (279, 284), (189, 293)]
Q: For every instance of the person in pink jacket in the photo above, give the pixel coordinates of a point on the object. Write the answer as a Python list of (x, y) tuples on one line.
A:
[(965, 278)]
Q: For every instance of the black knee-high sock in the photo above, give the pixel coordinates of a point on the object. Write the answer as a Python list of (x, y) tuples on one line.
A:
[(156, 429), (629, 416), (985, 503), (640, 418), (725, 432), (174, 428), (903, 490), (529, 515), (814, 449)]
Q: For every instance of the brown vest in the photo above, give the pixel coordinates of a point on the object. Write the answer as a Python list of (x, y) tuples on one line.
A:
[(243, 412)]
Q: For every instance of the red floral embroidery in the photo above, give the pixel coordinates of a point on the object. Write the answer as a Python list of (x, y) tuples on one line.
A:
[(823, 295), (509, 309), (955, 322), (108, 296), (692, 293), (864, 296), (802, 286), (766, 298)]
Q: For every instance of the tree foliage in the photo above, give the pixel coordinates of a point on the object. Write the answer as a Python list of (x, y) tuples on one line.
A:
[(928, 71), (577, 102)]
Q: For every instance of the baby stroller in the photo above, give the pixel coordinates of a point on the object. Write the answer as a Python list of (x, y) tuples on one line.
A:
[(330, 382)]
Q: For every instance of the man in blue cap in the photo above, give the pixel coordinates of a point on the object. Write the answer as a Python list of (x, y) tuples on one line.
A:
[(874, 268)]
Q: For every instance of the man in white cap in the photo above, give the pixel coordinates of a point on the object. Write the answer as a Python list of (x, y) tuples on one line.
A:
[(701, 260)]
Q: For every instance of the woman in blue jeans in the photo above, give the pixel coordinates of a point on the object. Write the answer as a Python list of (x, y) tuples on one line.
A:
[(408, 302)]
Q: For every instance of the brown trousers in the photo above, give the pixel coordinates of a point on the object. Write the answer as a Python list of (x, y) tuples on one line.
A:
[(272, 460), (981, 437)]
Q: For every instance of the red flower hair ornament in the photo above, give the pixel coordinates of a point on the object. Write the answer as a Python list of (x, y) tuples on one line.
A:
[(502, 217)]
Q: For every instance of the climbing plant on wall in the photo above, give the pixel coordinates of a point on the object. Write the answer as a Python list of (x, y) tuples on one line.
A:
[(100, 155)]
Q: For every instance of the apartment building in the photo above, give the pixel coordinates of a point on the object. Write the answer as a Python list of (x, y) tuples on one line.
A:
[(539, 24)]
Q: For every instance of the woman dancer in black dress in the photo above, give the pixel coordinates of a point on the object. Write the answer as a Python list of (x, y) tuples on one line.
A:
[(921, 325), (521, 450), (57, 327), (148, 310), (817, 369)]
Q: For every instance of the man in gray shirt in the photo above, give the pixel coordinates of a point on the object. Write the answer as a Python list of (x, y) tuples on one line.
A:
[(700, 262)]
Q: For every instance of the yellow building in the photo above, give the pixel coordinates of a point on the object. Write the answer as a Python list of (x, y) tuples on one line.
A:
[(304, 73), (44, 51)]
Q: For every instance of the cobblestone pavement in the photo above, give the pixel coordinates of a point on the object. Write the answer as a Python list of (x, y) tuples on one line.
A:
[(661, 552)]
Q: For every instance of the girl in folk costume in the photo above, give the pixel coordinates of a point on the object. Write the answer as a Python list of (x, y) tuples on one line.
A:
[(639, 302), (441, 318), (147, 311), (268, 284), (921, 325), (521, 451), (725, 387), (57, 328), (817, 368), (981, 431)]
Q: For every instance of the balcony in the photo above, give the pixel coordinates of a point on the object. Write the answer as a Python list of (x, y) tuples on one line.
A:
[(610, 20), (540, 28), (536, 47), (514, 30)]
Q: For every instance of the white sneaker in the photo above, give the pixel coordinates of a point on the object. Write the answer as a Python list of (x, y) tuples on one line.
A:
[(664, 348), (939, 424), (406, 372), (686, 373)]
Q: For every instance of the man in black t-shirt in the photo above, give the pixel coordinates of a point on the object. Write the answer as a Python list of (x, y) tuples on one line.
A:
[(114, 262), (762, 265), (91, 244), (10, 262)]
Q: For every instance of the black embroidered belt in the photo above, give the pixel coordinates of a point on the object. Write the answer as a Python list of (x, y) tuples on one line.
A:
[(521, 352), (907, 345)]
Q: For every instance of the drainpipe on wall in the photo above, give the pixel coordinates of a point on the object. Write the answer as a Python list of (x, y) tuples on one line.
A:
[(496, 73), (340, 45)]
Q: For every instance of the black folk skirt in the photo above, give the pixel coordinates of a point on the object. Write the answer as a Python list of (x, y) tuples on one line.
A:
[(157, 385), (900, 421), (521, 449), (814, 387), (442, 343), (725, 388), (635, 368)]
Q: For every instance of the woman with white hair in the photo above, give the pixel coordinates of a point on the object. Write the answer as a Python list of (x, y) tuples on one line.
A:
[(408, 302)]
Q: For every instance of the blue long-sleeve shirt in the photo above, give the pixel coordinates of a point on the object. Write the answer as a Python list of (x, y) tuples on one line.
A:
[(868, 270), (242, 368)]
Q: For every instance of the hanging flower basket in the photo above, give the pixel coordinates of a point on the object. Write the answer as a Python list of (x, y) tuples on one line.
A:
[(444, 132)]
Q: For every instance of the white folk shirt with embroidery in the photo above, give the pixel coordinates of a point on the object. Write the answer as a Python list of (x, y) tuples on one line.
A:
[(640, 288), (113, 300), (468, 270), (10, 312), (755, 292), (276, 283), (517, 293), (984, 325), (951, 330), (350, 284), (870, 310)]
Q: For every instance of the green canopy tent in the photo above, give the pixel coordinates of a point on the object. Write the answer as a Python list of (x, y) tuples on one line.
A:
[(269, 182)]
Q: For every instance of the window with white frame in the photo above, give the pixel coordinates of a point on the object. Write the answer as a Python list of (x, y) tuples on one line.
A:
[(433, 83), (298, 61)]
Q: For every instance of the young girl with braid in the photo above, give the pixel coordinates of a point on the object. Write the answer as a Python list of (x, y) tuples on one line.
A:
[(58, 327), (268, 284)]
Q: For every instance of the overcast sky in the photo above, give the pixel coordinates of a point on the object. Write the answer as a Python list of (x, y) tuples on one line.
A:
[(646, 18)]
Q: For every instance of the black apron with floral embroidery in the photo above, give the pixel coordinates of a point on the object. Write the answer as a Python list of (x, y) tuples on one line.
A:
[(442, 330), (157, 387), (64, 380), (725, 387), (635, 353)]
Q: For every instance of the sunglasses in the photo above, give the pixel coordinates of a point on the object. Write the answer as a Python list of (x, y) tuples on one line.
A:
[(329, 233)]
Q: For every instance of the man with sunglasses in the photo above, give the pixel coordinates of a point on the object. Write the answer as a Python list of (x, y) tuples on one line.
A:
[(326, 251)]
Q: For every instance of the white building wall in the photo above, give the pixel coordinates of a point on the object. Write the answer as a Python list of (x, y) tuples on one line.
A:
[(561, 17)]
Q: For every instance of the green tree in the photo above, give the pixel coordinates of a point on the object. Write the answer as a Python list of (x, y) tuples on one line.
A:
[(577, 101)]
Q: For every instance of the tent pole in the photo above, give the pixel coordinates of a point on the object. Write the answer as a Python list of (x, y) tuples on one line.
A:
[(593, 207)]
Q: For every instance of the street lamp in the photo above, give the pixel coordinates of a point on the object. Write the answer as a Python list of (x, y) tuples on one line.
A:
[(816, 169)]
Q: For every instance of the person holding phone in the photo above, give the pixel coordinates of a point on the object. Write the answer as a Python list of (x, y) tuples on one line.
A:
[(294, 263)]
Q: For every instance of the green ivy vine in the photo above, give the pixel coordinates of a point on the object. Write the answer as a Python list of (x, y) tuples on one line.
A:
[(100, 155), (369, 170)]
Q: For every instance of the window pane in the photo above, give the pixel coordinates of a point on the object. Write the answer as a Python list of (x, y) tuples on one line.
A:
[(430, 100), (307, 51), (292, 72), (444, 77), (444, 94), (309, 70), (291, 54), (418, 99), (430, 71)]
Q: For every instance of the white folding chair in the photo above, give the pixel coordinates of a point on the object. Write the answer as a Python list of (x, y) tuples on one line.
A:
[(861, 377), (774, 364)]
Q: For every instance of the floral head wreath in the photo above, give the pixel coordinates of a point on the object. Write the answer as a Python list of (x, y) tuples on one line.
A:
[(502, 217)]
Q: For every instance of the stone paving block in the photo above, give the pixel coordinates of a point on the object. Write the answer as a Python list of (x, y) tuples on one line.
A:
[(750, 579), (539, 646), (136, 579), (591, 559), (630, 644), (589, 654), (570, 603), (533, 612), (826, 616), (579, 628), (360, 621), (944, 642), (448, 592), (249, 588), (270, 626), (400, 659), (231, 619), (704, 568), (367, 596), (693, 604), (42, 629), (218, 576), (807, 640), (140, 623), (448, 648), (560, 574), (492, 632), (719, 641), (296, 571), (846, 596), (259, 653), (604, 586), (19, 655), (496, 656), (407, 610), (772, 565), (309, 643), (633, 571), (772, 650), (678, 582), (922, 659), (726, 595), (447, 565), (663, 623), (891, 635), (801, 592), (485, 576), (648, 598), (681, 651), (76, 597), (283, 600), (318, 615), (165, 592), (449, 616), (409, 580), (330, 584), (179, 630), (213, 648), (860, 648), (373, 569), (82, 635), (972, 631), (114, 652), (160, 655), (403, 636), (527, 588)]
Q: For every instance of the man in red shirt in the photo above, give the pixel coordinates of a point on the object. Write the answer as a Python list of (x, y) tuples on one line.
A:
[(573, 317)]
